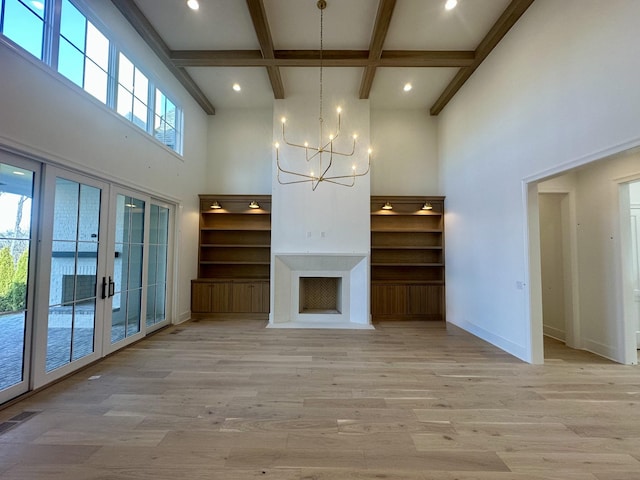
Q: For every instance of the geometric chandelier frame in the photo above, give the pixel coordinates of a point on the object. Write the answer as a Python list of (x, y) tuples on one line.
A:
[(321, 160)]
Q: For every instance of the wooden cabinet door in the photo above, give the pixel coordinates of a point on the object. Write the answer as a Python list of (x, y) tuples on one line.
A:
[(201, 297), (266, 299), (250, 297), (256, 297), (220, 297), (425, 300), (241, 297), (388, 299), (260, 297)]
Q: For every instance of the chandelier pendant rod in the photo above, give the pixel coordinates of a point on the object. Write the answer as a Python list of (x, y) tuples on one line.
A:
[(327, 148)]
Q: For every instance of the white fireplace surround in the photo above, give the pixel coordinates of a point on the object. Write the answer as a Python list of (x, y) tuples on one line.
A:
[(352, 269)]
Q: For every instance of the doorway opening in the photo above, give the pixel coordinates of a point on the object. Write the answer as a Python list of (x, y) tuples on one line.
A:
[(557, 267), (583, 274), (630, 233)]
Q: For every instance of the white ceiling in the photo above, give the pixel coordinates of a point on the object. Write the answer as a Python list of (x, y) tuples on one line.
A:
[(348, 24)]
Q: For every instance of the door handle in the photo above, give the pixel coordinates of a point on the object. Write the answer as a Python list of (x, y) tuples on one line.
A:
[(104, 287), (112, 287)]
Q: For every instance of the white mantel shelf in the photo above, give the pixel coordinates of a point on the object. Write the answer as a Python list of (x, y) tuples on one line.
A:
[(352, 268)]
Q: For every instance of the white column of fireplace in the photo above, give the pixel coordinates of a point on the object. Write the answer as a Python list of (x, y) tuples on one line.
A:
[(326, 232)]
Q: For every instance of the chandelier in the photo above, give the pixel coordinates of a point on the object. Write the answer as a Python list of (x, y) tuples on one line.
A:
[(321, 161)]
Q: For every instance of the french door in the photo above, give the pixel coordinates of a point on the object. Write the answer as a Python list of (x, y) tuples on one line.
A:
[(127, 252), (19, 180), (93, 294), (137, 272), (72, 259)]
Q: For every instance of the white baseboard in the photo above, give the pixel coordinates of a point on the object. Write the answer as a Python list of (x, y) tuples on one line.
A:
[(553, 332), (519, 351), (606, 351), (183, 317)]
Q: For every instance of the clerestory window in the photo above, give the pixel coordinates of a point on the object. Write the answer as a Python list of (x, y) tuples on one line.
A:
[(61, 35)]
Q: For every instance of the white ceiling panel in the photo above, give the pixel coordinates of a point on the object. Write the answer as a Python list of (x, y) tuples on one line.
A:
[(426, 25), (427, 83), (217, 85), (295, 24), (217, 25), (302, 80)]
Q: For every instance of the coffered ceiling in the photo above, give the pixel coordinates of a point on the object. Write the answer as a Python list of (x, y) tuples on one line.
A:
[(271, 47)]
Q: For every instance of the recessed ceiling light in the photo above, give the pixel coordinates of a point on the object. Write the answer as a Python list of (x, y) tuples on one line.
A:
[(237, 87), (407, 87), (18, 173), (193, 4), (451, 4)]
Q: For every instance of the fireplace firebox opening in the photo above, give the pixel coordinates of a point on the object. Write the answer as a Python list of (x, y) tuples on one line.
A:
[(320, 295)]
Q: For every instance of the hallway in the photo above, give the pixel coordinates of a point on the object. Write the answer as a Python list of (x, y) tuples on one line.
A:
[(233, 400)]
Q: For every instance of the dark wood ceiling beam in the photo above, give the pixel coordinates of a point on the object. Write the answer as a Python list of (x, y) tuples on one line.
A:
[(261, 26), (507, 20), (330, 58), (380, 29), (426, 58), (139, 22)]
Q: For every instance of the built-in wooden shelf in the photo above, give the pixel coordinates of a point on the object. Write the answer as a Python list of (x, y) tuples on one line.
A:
[(407, 259), (234, 258), (234, 255)]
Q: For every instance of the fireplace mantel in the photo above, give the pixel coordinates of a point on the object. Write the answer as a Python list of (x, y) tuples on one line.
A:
[(352, 269)]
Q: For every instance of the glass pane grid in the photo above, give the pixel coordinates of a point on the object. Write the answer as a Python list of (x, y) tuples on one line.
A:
[(129, 237), (73, 26), (83, 58), (73, 280), (16, 191), (24, 25), (97, 47), (156, 264)]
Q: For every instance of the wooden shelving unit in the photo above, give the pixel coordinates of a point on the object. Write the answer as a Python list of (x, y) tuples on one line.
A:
[(407, 259), (234, 255)]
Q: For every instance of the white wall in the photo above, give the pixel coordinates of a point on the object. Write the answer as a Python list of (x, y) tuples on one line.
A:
[(405, 160), (49, 118), (240, 148), (560, 90), (553, 264), (598, 246), (333, 218)]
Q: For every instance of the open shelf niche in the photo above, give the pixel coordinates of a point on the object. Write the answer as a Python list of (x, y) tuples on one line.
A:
[(407, 258), (234, 255)]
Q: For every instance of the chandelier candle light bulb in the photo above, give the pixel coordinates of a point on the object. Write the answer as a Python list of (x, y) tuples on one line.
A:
[(324, 156)]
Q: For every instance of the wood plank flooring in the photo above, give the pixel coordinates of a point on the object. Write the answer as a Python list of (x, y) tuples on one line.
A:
[(409, 401)]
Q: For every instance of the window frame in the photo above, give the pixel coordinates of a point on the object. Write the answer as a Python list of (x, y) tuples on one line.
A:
[(50, 58)]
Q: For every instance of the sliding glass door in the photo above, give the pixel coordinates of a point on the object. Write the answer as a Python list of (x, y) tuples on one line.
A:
[(17, 182)]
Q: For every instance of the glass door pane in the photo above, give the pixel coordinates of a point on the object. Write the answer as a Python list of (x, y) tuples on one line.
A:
[(16, 194), (74, 272), (127, 268), (157, 265)]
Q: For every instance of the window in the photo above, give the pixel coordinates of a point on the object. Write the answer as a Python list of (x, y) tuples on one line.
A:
[(133, 93), (87, 58), (23, 22), (165, 126), (83, 55)]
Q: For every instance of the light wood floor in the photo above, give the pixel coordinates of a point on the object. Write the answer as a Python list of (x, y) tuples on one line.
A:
[(233, 400)]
